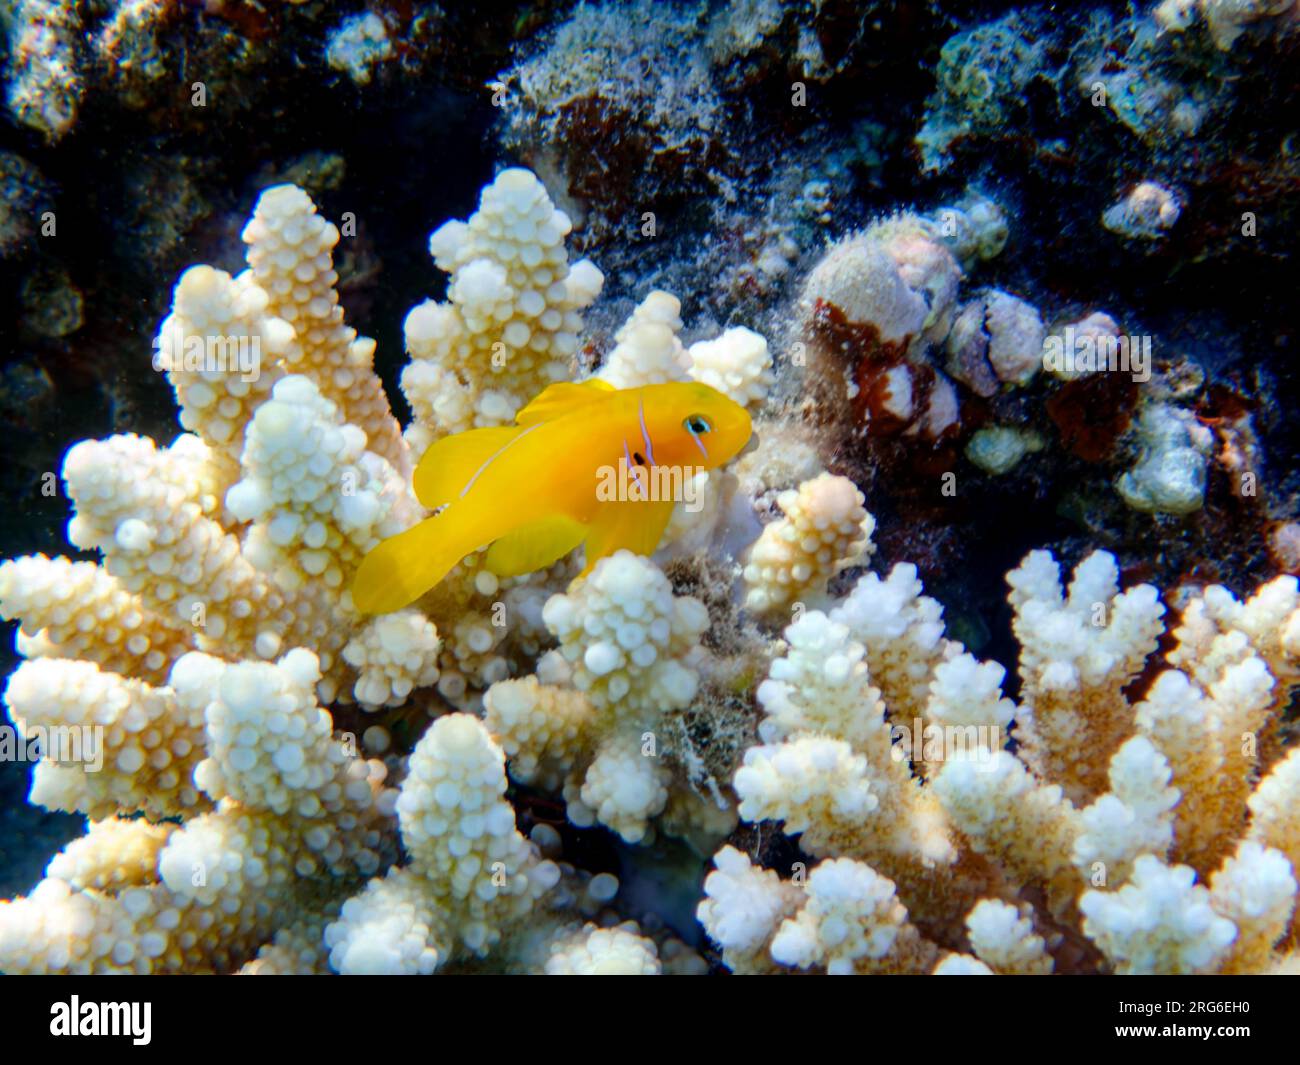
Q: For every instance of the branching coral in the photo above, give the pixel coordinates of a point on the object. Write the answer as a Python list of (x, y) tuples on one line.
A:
[(825, 530), (629, 655), (1134, 810), (187, 674), (471, 873), (292, 804), (1177, 862), (512, 319)]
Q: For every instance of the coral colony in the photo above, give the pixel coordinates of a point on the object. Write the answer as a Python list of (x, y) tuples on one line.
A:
[(275, 781)]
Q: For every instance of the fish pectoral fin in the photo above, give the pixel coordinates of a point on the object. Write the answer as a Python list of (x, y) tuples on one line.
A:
[(449, 464), (402, 568), (626, 524), (534, 546), (559, 399)]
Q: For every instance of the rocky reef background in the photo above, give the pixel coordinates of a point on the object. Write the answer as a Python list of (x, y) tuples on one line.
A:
[(714, 150)]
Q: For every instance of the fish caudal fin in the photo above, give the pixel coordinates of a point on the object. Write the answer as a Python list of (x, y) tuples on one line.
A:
[(402, 568)]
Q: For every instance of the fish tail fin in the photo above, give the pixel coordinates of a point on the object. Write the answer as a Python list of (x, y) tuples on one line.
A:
[(404, 567)]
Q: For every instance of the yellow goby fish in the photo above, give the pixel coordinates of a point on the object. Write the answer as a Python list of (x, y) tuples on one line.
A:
[(583, 464)]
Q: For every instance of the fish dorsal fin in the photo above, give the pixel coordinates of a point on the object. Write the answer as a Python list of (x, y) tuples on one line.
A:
[(450, 463), (559, 399)]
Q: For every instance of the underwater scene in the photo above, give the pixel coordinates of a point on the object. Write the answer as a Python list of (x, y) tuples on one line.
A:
[(768, 487)]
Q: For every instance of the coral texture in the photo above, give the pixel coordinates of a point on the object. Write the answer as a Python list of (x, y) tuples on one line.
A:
[(198, 691), (1136, 824)]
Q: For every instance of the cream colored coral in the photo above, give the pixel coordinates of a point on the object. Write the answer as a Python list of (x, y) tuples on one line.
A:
[(267, 868), (317, 499), (1275, 809), (1256, 890), (825, 529), (113, 855), (961, 965), (593, 951), (271, 747), (1078, 651), (843, 918), (542, 728), (984, 819), (158, 543), (648, 351), (474, 654), (297, 950), (737, 363), (393, 655), (630, 641), (742, 908), (1004, 939), (471, 874), (394, 927), (1217, 629), (77, 610), (109, 743), (1135, 817), (967, 693), (512, 319), (816, 785), (903, 635), (632, 648), (440, 398), (1028, 827), (221, 350), (290, 252), (232, 878), (1206, 737), (852, 922), (224, 882), (830, 768), (59, 929), (1159, 922), (149, 514), (459, 829), (623, 787), (820, 685)]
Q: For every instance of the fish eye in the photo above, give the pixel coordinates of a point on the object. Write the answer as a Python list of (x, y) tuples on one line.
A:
[(697, 424)]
